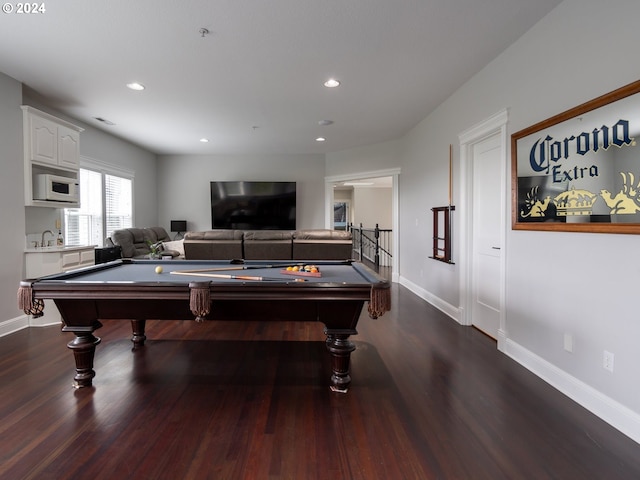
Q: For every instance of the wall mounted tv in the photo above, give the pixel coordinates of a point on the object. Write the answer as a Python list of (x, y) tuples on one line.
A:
[(253, 205)]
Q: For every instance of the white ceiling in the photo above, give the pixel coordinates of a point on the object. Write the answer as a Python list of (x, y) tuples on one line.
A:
[(254, 84)]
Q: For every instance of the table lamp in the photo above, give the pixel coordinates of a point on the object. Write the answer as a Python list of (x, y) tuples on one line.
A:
[(179, 226)]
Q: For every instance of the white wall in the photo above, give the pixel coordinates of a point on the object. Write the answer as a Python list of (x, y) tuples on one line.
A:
[(371, 206), (577, 283), (184, 193), (11, 200), (370, 158)]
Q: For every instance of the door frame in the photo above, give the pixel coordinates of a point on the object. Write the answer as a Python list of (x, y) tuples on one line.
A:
[(494, 125), (394, 173)]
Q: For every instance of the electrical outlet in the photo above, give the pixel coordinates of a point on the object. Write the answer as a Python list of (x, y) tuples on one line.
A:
[(607, 361), (568, 342)]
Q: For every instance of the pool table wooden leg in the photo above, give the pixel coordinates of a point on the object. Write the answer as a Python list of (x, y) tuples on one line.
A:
[(138, 337), (340, 348), (84, 349)]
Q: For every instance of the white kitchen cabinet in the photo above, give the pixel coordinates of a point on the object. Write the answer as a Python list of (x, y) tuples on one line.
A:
[(50, 140), (41, 139), (68, 147), (51, 146)]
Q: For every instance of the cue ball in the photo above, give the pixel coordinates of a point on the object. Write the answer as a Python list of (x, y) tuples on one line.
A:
[(158, 269)]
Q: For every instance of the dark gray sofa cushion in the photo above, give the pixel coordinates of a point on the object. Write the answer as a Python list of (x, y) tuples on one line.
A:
[(333, 235), (268, 244), (322, 245), (213, 245), (215, 235)]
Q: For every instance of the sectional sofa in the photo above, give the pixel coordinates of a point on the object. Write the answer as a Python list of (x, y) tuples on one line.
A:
[(237, 244), (268, 245), (137, 242)]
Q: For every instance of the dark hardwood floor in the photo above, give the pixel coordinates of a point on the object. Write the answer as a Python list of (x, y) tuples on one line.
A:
[(429, 400)]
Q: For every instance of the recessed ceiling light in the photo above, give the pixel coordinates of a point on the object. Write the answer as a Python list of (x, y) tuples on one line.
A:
[(331, 83), (324, 123), (320, 139), (135, 86), (204, 140)]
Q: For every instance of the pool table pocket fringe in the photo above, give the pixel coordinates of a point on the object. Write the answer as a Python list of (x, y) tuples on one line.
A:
[(200, 299), (25, 298), (379, 301), (28, 304)]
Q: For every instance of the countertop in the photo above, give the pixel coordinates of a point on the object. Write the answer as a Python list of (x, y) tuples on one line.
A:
[(54, 249)]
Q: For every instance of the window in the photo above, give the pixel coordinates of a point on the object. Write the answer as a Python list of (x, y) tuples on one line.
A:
[(118, 211), (106, 204)]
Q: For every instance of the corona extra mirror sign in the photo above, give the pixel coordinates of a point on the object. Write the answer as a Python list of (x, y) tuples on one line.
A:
[(580, 170)]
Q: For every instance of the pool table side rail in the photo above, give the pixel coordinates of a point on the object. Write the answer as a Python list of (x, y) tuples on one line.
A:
[(61, 286)]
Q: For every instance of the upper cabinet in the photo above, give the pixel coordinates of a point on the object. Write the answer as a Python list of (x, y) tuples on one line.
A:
[(51, 147), (68, 147), (49, 140)]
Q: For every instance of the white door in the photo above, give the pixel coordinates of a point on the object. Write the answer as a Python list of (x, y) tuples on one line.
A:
[(486, 237)]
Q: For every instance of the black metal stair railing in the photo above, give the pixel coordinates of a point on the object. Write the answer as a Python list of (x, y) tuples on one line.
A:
[(372, 245)]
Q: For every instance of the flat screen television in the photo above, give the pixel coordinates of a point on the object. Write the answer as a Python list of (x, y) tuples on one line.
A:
[(253, 205)]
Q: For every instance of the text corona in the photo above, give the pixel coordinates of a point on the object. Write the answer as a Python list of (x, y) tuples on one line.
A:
[(546, 153)]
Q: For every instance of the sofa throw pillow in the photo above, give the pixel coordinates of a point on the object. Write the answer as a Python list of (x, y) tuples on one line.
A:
[(176, 246)]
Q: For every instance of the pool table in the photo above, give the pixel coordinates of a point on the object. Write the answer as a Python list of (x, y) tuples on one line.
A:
[(209, 290)]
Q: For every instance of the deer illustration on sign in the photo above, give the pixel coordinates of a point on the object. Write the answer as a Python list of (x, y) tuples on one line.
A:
[(536, 207), (626, 200)]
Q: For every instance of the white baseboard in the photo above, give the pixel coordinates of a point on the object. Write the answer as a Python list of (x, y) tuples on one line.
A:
[(44, 321), (502, 340), (13, 325), (23, 321), (35, 322), (447, 308), (615, 414), (612, 412)]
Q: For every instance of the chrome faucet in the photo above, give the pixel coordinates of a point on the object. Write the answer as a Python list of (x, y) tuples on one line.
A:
[(42, 244)]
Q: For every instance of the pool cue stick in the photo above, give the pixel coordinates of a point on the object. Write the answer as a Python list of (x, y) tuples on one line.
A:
[(243, 267), (450, 172), (450, 202), (235, 277)]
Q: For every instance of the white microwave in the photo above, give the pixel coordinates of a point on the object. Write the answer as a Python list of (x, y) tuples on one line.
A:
[(55, 188)]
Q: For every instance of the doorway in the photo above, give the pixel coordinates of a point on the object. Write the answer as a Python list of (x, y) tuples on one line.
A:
[(483, 234), (335, 194)]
